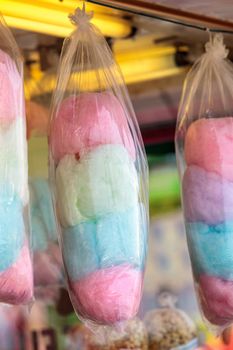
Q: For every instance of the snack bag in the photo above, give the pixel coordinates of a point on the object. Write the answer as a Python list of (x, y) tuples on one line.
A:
[(170, 328), (16, 281), (204, 143), (98, 171), (133, 336)]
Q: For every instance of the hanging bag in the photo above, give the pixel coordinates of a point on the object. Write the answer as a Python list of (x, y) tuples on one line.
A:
[(98, 171), (204, 144), (16, 282)]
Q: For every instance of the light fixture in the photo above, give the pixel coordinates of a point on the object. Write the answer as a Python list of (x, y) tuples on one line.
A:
[(70, 5), (51, 17), (148, 63), (137, 66), (38, 27)]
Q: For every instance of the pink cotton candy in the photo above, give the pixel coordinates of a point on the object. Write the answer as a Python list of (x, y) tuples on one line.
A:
[(209, 144), (89, 120), (11, 89), (109, 295), (16, 283), (216, 297)]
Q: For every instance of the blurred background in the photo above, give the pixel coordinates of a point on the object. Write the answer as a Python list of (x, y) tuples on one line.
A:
[(155, 43)]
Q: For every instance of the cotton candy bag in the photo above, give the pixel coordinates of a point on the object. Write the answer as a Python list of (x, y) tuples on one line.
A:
[(16, 282), (98, 172), (204, 143)]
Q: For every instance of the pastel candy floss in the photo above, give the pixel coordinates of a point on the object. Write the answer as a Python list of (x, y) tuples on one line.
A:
[(208, 144), (111, 240), (208, 206), (211, 248), (107, 181), (67, 188), (16, 283), (11, 90), (207, 196), (108, 296), (103, 181), (13, 158), (216, 297), (87, 121)]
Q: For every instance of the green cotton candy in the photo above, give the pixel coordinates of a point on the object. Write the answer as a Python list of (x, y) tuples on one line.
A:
[(66, 188), (13, 159), (103, 181), (106, 181)]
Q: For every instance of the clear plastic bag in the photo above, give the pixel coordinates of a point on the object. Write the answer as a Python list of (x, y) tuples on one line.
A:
[(16, 282), (170, 328), (204, 143), (132, 336), (99, 172)]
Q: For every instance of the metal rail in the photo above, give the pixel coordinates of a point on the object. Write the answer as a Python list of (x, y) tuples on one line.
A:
[(153, 10)]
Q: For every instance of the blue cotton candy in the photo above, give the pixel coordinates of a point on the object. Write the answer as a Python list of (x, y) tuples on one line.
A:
[(79, 250), (11, 227), (111, 240), (211, 248), (42, 214)]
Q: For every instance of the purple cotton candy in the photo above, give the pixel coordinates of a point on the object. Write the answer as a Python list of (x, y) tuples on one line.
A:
[(207, 196)]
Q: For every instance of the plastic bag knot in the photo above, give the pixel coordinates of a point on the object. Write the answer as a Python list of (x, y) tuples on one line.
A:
[(216, 48), (80, 17), (167, 300)]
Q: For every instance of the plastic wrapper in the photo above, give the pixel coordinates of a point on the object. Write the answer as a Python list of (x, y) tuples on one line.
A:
[(16, 281), (98, 170), (47, 267), (204, 139), (132, 336), (170, 328)]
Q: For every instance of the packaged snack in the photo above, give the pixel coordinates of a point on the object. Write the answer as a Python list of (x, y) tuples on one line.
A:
[(133, 336), (16, 280), (204, 139), (98, 170), (169, 328)]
